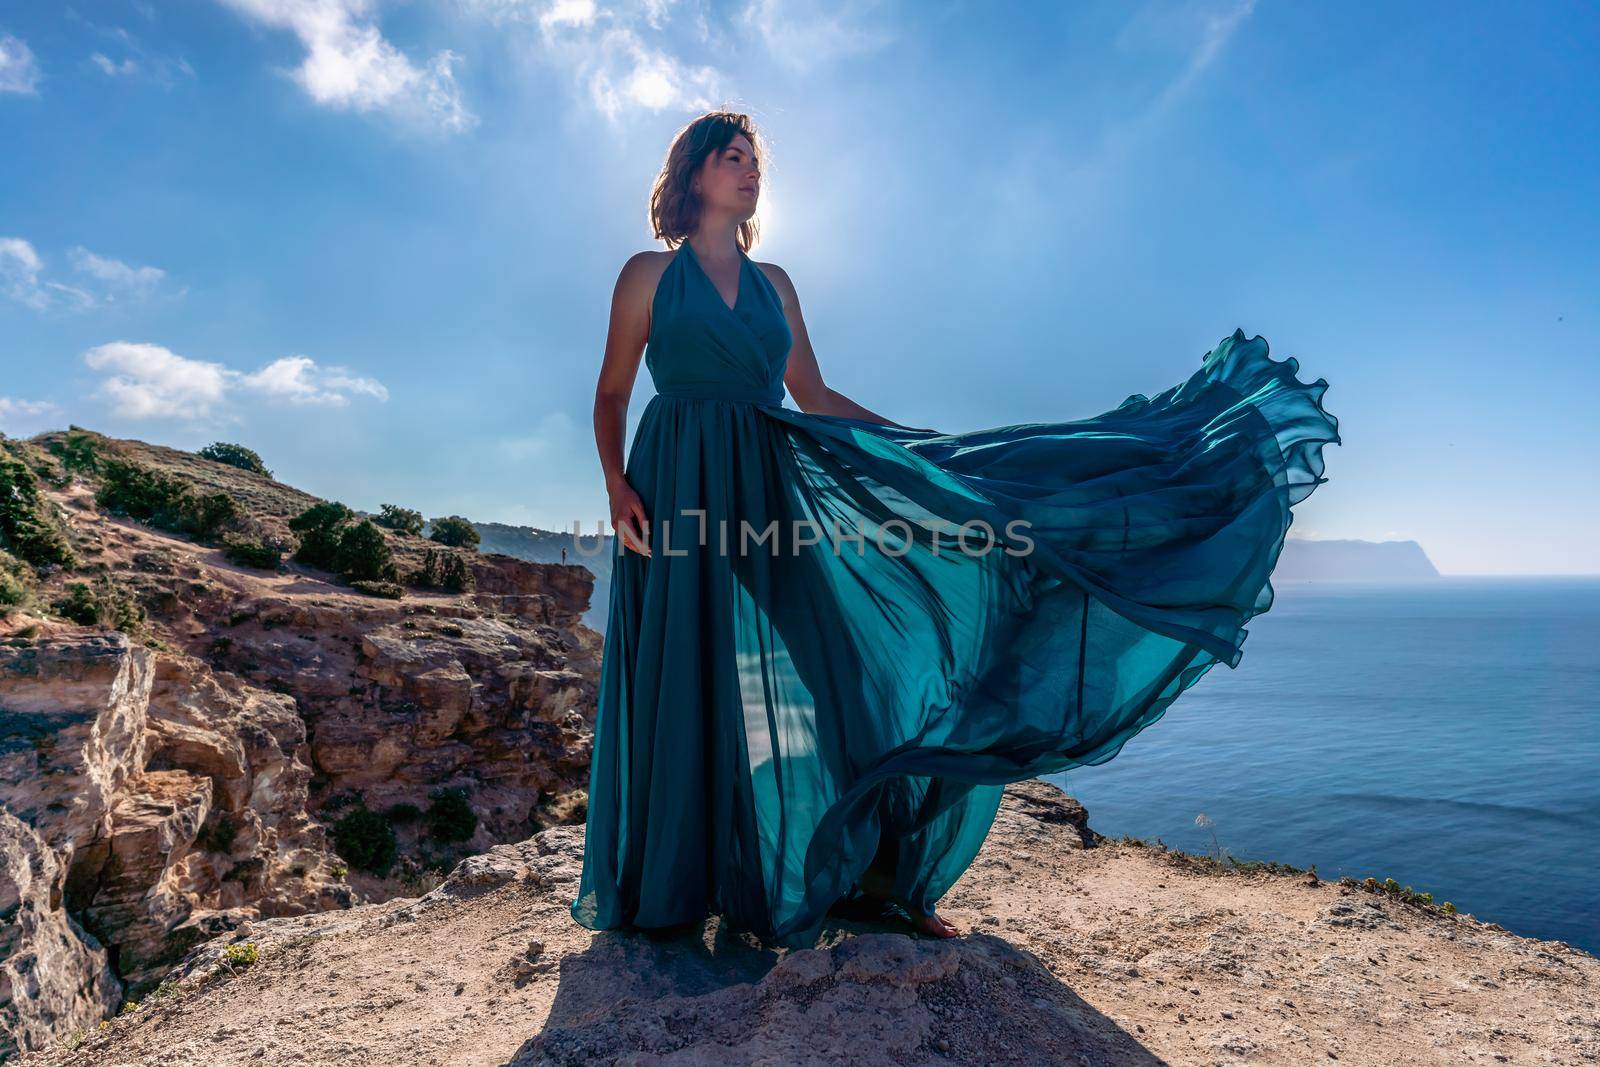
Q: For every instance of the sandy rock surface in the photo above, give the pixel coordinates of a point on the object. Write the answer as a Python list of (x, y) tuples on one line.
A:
[(1117, 953)]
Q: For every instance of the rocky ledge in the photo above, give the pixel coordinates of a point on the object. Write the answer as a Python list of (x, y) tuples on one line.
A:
[(1077, 949)]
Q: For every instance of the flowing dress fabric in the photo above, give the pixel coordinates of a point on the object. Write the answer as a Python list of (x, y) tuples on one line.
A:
[(850, 635)]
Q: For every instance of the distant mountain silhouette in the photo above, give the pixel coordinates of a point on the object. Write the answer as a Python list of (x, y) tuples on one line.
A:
[(1331, 560)]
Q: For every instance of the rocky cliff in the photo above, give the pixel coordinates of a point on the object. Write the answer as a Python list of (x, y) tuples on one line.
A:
[(1076, 950), (223, 743)]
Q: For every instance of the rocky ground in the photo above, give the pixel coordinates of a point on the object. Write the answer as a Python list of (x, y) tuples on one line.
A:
[(1075, 950)]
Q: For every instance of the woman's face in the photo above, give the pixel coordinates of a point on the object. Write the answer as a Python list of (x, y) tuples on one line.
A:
[(730, 180)]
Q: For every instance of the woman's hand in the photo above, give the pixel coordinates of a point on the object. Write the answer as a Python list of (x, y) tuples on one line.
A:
[(627, 516)]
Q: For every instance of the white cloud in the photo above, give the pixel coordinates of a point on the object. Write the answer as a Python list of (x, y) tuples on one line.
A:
[(19, 273), (622, 73), (148, 381), (299, 380), (613, 53), (118, 279), (19, 71), (109, 281), (126, 67), (626, 56), (349, 65), (16, 414), (136, 59)]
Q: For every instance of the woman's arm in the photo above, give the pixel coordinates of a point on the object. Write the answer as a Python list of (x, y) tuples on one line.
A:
[(802, 375), (625, 342)]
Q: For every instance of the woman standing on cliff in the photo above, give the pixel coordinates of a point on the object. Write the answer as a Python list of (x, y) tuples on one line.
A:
[(834, 638)]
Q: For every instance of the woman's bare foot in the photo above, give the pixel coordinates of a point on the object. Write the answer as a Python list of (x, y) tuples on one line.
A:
[(933, 924), (876, 887)]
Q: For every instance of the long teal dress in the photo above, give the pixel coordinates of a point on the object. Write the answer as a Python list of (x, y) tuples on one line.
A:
[(777, 702)]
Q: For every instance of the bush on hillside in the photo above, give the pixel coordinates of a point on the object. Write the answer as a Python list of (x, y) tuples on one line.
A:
[(391, 590), (364, 554), (28, 529), (319, 527), (15, 589), (399, 519), (102, 604), (235, 456), (357, 552), (77, 453), (444, 570), (250, 552), (161, 500), (454, 531)]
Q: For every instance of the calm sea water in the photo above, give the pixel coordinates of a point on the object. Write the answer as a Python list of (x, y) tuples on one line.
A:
[(1444, 733)]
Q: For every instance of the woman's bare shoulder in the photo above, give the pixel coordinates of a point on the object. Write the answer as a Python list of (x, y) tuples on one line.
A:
[(643, 270), (779, 279)]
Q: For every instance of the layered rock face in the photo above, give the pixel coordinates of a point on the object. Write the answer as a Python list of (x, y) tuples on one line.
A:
[(404, 698), (150, 801), (164, 785), (117, 767)]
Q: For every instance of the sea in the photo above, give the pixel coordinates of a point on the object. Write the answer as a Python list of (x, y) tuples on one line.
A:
[(1443, 732)]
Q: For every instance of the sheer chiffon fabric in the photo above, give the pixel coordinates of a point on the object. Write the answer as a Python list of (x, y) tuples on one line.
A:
[(850, 636)]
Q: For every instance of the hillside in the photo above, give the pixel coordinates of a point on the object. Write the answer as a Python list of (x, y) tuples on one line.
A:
[(195, 735)]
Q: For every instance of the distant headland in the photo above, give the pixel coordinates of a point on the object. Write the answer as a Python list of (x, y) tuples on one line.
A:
[(1350, 559)]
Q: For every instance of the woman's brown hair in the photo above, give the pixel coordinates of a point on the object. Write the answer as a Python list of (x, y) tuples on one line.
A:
[(674, 205)]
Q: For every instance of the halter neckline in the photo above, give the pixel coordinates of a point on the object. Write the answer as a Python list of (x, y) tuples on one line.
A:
[(738, 294)]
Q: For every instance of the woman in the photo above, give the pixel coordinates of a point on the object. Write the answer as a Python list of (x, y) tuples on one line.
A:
[(834, 638)]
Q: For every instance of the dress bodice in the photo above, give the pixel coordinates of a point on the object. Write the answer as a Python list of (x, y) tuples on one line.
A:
[(700, 348)]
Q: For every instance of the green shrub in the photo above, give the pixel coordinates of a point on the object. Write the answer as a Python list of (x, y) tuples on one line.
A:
[(140, 493), (365, 840), (441, 569), (13, 590), (80, 605), (399, 519), (103, 604), (403, 812), (450, 817), (319, 529), (158, 499), (364, 554), (454, 531), (389, 590), (248, 552), (241, 955), (206, 516), (28, 529), (77, 452), (235, 456)]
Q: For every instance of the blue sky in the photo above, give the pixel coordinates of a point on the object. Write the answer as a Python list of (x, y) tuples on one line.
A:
[(377, 241)]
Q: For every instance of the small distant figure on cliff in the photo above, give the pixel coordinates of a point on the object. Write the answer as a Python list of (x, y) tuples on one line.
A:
[(563, 555)]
